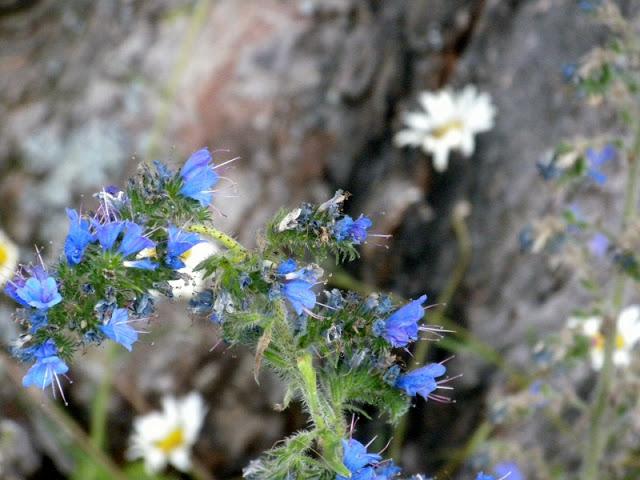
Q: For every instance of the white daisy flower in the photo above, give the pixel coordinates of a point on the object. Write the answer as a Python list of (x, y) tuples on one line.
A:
[(8, 258), (166, 437), (450, 121), (192, 258), (627, 337)]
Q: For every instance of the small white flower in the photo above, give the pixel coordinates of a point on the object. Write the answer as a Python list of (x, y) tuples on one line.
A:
[(627, 337), (450, 121), (192, 258), (8, 258), (166, 437)]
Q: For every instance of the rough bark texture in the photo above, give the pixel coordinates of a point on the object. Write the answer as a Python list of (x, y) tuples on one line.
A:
[(309, 94)]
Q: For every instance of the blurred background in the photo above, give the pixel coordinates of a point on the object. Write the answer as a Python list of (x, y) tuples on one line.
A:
[(309, 94)]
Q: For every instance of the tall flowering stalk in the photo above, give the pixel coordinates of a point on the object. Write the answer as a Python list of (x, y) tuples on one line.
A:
[(336, 351)]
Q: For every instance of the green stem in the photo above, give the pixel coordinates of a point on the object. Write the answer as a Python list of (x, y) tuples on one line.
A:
[(66, 424), (597, 438), (422, 349), (238, 251), (100, 406)]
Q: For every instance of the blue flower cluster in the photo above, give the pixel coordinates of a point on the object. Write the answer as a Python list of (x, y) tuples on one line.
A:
[(113, 258), (364, 465), (588, 165)]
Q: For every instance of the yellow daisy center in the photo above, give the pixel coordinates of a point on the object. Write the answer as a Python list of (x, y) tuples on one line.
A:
[(4, 254), (599, 340), (172, 441), (186, 254), (442, 130)]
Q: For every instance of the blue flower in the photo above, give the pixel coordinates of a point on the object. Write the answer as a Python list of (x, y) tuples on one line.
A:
[(133, 240), (198, 177), (178, 244), (299, 284), (41, 293), (484, 476), (47, 366), (78, 237), (421, 381), (38, 319), (107, 234), (387, 471), (356, 458), (599, 245), (300, 295), (119, 330), (401, 327), (508, 470), (352, 230), (595, 160)]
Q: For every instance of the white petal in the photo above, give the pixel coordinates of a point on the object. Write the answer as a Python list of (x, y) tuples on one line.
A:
[(408, 138), (622, 357), (597, 359), (591, 326), (154, 461), (180, 459), (192, 413), (629, 324), (440, 159)]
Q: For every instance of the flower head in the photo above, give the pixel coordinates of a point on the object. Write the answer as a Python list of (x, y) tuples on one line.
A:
[(401, 327), (8, 258), (596, 159), (353, 230), (166, 437), (628, 335), (450, 121), (78, 238), (421, 381), (508, 470), (357, 460), (198, 177), (46, 368), (298, 285), (599, 245), (179, 244), (119, 330), (39, 292)]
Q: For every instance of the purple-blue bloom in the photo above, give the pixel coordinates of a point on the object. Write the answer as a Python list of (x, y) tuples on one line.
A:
[(509, 470), (198, 177), (402, 326), (78, 237), (484, 476), (47, 366), (599, 245), (595, 160), (179, 242), (298, 286), (119, 330), (38, 319), (300, 295), (352, 230), (41, 293), (133, 240), (107, 234), (421, 381), (357, 460)]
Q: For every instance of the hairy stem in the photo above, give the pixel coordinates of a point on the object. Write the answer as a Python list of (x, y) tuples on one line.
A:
[(239, 252), (597, 438)]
